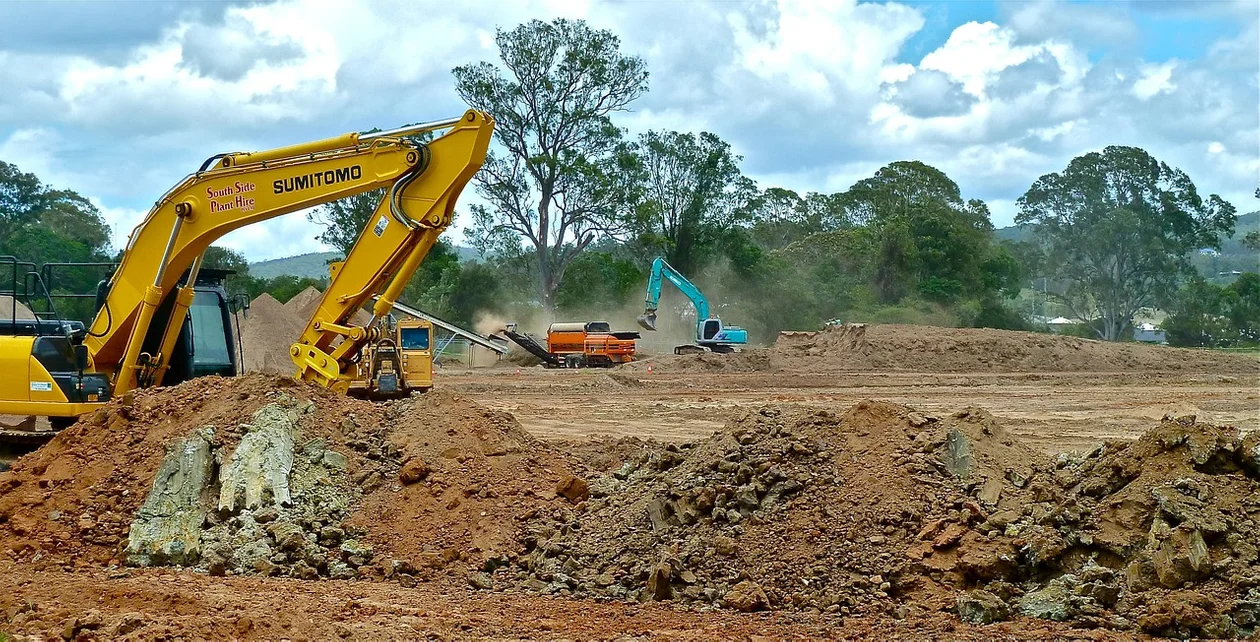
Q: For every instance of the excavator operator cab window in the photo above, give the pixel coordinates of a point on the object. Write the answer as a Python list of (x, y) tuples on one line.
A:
[(414, 338), (210, 347), (712, 328)]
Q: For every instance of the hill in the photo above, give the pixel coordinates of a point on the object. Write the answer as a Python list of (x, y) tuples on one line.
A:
[(315, 264)]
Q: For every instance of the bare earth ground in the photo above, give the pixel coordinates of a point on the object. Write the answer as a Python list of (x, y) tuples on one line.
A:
[(169, 605), (1053, 411)]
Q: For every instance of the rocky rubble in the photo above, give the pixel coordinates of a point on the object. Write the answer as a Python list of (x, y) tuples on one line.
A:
[(885, 510), (780, 510)]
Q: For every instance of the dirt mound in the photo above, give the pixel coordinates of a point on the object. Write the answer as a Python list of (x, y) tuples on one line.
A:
[(884, 510), (303, 303), (73, 499), (266, 475), (267, 332), (467, 476), (861, 347), (808, 507), (11, 310)]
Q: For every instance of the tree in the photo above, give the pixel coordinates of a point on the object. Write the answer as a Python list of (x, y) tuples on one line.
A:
[(1118, 227), (600, 281), (564, 173), (22, 197), (898, 190), (1243, 308), (692, 189), (1252, 241), (777, 215), (926, 239), (1197, 316)]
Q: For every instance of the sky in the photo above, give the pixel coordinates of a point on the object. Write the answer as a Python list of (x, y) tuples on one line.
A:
[(120, 100)]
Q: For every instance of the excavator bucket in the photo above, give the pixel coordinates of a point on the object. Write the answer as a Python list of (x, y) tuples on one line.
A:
[(647, 320)]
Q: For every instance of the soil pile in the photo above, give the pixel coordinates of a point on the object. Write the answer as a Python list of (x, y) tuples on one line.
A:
[(303, 304), (73, 500), (266, 475), (884, 510), (860, 347), (782, 509), (467, 477), (14, 310), (267, 332)]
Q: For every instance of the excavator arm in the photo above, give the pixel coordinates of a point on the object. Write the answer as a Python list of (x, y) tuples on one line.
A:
[(235, 190), (664, 271), (399, 234)]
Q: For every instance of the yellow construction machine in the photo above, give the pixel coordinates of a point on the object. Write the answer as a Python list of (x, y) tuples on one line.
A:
[(62, 371), (398, 363)]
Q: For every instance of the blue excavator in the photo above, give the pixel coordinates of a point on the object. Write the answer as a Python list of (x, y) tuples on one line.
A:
[(711, 334)]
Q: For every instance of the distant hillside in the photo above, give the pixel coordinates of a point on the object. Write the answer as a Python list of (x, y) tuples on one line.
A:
[(315, 264), (1014, 233), (1233, 256)]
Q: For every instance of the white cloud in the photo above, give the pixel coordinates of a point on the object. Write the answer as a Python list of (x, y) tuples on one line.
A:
[(814, 95), (1155, 79)]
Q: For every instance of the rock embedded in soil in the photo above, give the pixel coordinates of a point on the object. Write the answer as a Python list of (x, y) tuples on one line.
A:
[(167, 528), (981, 607)]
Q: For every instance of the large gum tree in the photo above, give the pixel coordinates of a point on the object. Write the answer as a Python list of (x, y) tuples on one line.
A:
[(1117, 228), (561, 175)]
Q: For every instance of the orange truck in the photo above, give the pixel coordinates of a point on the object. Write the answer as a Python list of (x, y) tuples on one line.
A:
[(579, 345)]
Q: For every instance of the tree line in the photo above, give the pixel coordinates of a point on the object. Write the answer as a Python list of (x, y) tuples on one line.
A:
[(572, 209)]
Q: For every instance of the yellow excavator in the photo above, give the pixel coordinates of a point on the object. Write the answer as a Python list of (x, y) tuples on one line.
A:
[(61, 371)]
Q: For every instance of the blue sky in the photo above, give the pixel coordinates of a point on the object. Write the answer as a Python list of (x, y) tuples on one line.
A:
[(120, 100)]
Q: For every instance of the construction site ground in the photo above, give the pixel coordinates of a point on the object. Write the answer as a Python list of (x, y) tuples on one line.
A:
[(1055, 412), (61, 581)]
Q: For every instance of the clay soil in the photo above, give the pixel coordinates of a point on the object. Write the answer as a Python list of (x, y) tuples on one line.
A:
[(501, 443)]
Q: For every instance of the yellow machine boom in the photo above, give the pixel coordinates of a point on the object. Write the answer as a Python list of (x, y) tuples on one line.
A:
[(235, 190)]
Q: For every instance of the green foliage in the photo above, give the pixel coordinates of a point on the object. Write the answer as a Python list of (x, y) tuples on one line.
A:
[(22, 198), (599, 280), (1196, 317), (1117, 228), (40, 225), (1204, 314), (1252, 241), (692, 189), (452, 290), (283, 287), (563, 176)]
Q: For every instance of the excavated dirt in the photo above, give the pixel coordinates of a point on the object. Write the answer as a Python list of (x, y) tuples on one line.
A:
[(863, 514), (303, 303), (861, 347), (264, 475), (883, 511), (267, 331), (11, 310), (270, 328)]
